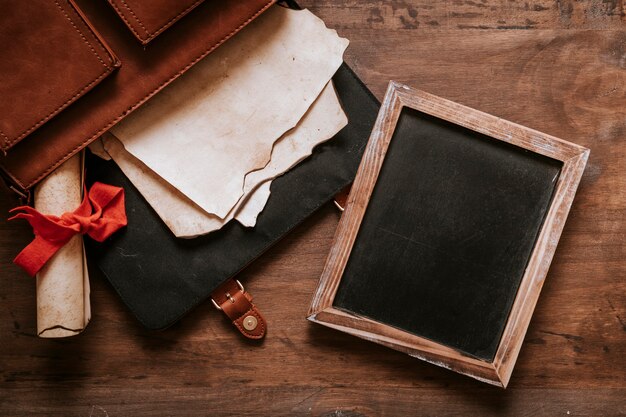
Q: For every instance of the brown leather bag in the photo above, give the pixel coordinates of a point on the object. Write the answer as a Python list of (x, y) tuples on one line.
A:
[(151, 41)]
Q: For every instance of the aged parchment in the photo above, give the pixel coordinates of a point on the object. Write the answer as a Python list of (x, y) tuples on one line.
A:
[(219, 121), (186, 219)]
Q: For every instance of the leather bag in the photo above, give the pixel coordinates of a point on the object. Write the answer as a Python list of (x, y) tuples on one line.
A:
[(79, 109)]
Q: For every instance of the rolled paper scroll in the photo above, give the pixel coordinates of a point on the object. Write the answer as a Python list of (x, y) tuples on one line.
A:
[(63, 307)]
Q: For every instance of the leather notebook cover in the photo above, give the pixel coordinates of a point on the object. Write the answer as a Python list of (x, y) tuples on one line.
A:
[(144, 72), (147, 19), (160, 277), (50, 58)]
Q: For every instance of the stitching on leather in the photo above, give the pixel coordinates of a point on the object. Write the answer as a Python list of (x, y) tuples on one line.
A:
[(95, 36), (8, 142), (81, 34), (137, 104), (149, 35), (52, 113), (261, 322), (132, 13), (123, 16), (172, 20)]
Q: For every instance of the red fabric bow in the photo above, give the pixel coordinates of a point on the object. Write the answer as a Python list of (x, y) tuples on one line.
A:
[(100, 214)]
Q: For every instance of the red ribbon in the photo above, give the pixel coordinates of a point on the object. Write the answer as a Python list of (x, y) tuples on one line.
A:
[(100, 214)]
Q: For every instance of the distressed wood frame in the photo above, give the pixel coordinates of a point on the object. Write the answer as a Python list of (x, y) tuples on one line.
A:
[(498, 371)]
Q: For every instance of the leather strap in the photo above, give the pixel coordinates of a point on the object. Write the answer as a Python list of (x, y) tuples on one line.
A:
[(341, 198), (236, 303)]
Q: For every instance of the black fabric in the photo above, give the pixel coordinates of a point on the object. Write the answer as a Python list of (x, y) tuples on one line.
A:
[(160, 277), (447, 234)]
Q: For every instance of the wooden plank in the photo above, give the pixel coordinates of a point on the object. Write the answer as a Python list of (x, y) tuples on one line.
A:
[(473, 14), (320, 401)]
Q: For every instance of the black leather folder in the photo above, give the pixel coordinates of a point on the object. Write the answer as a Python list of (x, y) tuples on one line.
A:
[(160, 277)]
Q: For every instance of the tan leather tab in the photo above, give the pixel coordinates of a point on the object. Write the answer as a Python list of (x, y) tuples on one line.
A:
[(236, 303), (341, 198)]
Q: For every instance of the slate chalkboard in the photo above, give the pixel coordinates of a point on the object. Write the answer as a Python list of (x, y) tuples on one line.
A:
[(447, 234)]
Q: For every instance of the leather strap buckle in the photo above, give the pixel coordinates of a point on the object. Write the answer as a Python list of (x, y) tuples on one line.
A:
[(232, 299)]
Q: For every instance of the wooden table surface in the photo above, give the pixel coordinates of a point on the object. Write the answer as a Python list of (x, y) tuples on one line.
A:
[(556, 66)]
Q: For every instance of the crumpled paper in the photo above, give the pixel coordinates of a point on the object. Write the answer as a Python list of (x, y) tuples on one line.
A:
[(324, 119), (219, 121)]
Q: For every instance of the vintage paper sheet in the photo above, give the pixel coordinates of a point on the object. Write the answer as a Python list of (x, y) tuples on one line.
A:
[(186, 219), (63, 307), (97, 148), (219, 121), (323, 121)]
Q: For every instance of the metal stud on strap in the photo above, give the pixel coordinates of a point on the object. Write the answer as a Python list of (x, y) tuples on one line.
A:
[(232, 300)]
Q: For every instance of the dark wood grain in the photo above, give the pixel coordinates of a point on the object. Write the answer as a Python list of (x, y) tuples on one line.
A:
[(565, 76)]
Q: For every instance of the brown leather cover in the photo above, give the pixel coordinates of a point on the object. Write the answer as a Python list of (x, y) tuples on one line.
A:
[(146, 19), (50, 57), (237, 305), (144, 72)]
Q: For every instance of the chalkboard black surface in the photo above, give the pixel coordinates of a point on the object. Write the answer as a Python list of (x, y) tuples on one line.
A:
[(447, 234)]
